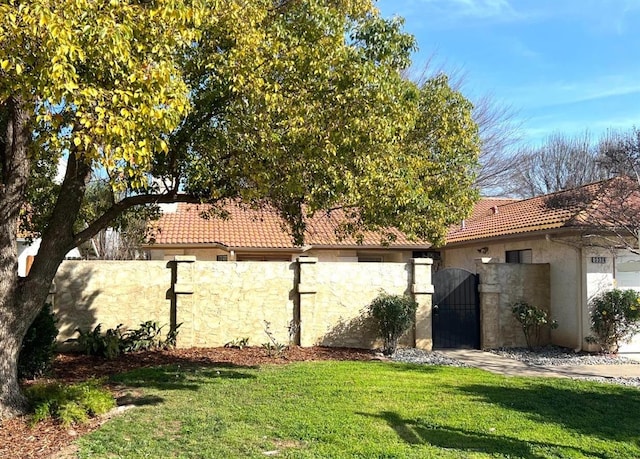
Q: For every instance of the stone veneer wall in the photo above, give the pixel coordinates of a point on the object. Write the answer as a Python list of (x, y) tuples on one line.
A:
[(232, 300), (89, 293), (304, 302), (503, 284), (334, 298)]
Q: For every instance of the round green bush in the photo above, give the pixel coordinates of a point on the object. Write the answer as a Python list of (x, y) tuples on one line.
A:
[(393, 315), (615, 318)]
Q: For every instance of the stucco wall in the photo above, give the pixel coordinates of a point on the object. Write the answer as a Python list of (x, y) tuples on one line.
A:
[(501, 286), (565, 287), (306, 301), (577, 274)]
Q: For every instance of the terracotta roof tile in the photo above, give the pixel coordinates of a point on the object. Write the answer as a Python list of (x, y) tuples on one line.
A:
[(584, 206), (249, 228)]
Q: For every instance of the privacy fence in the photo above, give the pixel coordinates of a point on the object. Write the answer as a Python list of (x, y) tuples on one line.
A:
[(303, 302)]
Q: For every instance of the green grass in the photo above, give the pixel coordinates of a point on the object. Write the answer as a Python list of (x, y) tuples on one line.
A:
[(366, 410)]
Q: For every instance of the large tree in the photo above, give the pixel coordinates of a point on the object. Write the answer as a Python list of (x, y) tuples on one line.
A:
[(498, 127), (296, 105), (561, 162)]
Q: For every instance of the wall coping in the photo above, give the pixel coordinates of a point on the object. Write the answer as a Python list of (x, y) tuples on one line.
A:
[(422, 288), (422, 261), (183, 288), (184, 258), (307, 260), (307, 288)]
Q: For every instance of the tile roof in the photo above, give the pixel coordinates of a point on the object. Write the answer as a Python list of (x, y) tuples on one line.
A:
[(250, 228), (588, 206)]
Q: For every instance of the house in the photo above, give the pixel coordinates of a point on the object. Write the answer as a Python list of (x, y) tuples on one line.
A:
[(28, 249), (577, 232), (261, 235)]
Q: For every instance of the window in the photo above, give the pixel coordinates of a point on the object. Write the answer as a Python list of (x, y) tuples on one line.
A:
[(222, 257), (519, 256), (433, 254)]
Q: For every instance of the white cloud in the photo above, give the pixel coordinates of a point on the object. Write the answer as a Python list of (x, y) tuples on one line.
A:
[(563, 92), (485, 8), (450, 12), (519, 48)]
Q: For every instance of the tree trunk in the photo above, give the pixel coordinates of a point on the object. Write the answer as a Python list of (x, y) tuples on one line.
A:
[(12, 331), (14, 319)]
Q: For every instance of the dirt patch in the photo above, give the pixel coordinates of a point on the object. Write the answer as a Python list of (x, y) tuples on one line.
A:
[(51, 440)]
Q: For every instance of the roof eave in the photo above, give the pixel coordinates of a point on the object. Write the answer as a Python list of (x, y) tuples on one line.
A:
[(565, 230)]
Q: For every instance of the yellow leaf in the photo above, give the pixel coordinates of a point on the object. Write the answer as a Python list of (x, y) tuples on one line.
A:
[(18, 69), (4, 65), (77, 141)]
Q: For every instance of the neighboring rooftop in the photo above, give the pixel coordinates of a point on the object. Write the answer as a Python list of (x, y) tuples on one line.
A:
[(263, 228), (587, 206), (583, 207)]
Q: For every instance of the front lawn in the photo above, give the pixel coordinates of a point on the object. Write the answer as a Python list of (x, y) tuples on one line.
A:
[(366, 410)]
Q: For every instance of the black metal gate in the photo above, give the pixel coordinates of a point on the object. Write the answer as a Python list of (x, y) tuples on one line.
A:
[(456, 309)]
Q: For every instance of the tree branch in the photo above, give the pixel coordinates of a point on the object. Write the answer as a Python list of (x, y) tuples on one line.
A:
[(132, 201)]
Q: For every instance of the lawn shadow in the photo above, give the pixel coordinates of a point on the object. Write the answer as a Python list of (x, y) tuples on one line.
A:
[(419, 431), (178, 377), (427, 367), (138, 400), (608, 412)]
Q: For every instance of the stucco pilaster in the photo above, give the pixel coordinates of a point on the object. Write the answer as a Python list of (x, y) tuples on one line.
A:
[(180, 294), (306, 288), (422, 290)]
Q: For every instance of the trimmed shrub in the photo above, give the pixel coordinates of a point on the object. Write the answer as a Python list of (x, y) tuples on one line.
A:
[(615, 318), (393, 315), (38, 345)]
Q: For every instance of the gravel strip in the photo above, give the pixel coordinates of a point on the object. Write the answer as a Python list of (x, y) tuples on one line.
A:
[(412, 355), (547, 356), (629, 382), (560, 356)]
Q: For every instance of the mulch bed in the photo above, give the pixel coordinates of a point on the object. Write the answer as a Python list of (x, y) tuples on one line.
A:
[(51, 440)]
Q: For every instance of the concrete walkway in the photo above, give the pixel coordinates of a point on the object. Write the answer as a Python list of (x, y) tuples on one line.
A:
[(506, 366)]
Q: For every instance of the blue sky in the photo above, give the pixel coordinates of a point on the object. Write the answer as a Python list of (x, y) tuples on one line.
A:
[(563, 65)]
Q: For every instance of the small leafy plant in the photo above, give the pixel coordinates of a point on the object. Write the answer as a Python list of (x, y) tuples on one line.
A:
[(146, 337), (393, 315), (38, 345), (69, 404), (238, 343), (273, 347), (615, 318), (531, 319), (94, 342), (116, 341)]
